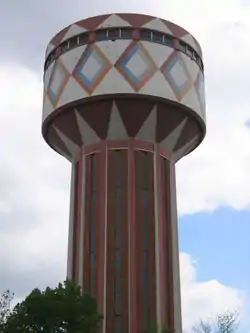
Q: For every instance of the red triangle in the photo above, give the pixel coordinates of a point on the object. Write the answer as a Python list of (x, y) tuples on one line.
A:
[(190, 130), (55, 141), (176, 30), (134, 113), (136, 20), (58, 37), (168, 118), (66, 122), (92, 23), (97, 115)]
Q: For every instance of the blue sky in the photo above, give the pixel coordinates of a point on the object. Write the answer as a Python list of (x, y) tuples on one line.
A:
[(219, 241), (213, 183)]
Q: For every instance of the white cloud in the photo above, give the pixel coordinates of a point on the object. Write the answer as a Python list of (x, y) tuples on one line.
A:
[(34, 186), (217, 173), (206, 299)]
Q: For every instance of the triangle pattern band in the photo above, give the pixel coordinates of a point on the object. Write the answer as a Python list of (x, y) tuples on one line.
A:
[(71, 146), (92, 122), (116, 129), (88, 135)]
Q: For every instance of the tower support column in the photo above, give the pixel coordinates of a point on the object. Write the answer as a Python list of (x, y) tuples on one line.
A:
[(123, 240)]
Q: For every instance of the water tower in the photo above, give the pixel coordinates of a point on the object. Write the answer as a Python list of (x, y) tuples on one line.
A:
[(123, 102)]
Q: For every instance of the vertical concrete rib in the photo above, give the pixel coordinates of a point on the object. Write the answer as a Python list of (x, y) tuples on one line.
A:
[(131, 241), (82, 218), (77, 219), (157, 263), (162, 221), (105, 157), (175, 251), (71, 225)]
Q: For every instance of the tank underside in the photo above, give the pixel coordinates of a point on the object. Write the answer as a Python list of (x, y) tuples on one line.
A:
[(175, 129)]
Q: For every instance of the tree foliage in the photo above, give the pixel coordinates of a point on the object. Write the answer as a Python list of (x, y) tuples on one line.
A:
[(224, 323), (5, 300), (65, 310), (60, 310)]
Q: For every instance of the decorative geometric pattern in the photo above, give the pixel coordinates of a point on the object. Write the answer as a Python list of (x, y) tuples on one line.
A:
[(133, 20), (177, 75), (91, 68), (199, 87), (104, 120), (136, 65), (58, 80), (138, 68)]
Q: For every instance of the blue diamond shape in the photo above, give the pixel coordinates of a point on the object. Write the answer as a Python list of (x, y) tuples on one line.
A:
[(58, 68), (168, 74), (80, 69), (127, 71), (179, 89)]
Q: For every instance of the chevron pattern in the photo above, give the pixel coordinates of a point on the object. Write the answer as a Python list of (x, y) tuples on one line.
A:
[(156, 123)]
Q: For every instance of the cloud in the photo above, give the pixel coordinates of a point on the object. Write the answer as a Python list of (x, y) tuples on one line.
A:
[(217, 173), (34, 185), (205, 299)]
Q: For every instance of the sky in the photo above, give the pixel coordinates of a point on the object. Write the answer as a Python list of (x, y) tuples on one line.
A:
[(213, 182)]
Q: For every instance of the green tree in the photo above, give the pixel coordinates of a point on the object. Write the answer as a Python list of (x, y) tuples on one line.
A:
[(5, 300), (60, 310), (224, 323)]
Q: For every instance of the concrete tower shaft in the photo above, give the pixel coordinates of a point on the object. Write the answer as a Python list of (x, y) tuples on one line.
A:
[(123, 102)]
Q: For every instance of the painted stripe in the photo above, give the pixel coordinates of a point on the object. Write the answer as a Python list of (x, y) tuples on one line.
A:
[(81, 253), (111, 244), (168, 241), (170, 268), (101, 233), (71, 225), (175, 254), (118, 252), (105, 157), (86, 277), (139, 159), (157, 264), (92, 230), (151, 253), (145, 192), (121, 145), (161, 221), (131, 247), (124, 242), (77, 218)]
